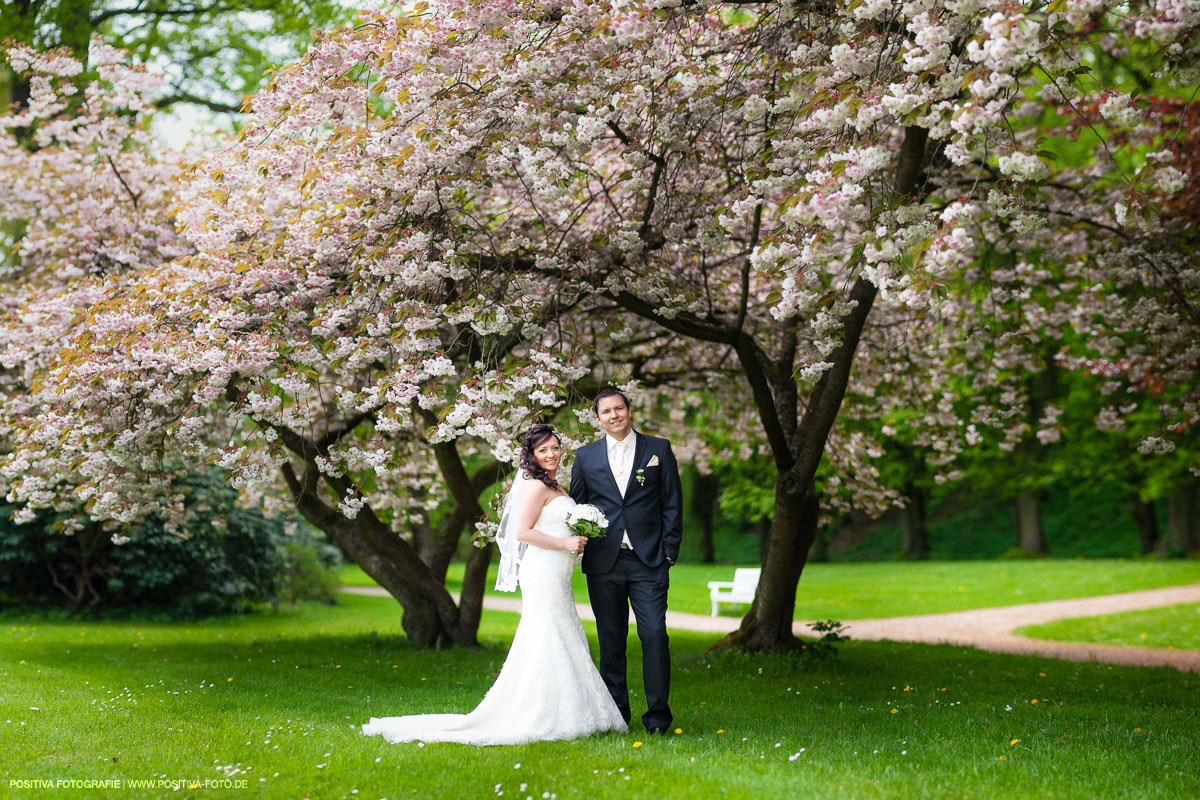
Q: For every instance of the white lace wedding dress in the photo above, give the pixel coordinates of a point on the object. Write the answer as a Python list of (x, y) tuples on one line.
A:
[(548, 687)]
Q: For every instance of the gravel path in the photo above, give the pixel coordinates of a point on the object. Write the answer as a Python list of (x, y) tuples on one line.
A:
[(985, 628)]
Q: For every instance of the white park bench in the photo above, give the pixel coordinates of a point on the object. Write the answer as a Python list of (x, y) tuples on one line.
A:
[(739, 590)]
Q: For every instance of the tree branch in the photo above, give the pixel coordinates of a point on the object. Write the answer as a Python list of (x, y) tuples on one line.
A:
[(347, 426), (133, 197), (683, 324), (187, 97), (104, 16), (827, 395), (764, 400)]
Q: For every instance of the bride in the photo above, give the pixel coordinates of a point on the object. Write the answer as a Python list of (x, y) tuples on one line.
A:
[(548, 687)]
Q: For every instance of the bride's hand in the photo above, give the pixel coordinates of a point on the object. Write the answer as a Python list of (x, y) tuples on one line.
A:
[(574, 544)]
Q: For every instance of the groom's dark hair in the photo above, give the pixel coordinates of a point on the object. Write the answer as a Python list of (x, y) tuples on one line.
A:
[(609, 392)]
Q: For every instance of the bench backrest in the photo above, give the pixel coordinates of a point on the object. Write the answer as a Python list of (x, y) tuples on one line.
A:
[(746, 578)]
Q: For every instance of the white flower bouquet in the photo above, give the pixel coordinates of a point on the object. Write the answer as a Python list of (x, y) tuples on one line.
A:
[(587, 520)]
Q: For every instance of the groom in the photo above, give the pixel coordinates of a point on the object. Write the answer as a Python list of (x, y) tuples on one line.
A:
[(634, 480)]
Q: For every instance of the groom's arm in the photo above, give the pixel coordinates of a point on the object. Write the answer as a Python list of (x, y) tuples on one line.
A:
[(672, 506), (578, 491)]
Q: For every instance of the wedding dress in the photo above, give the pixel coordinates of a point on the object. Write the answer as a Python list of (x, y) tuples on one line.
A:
[(549, 687)]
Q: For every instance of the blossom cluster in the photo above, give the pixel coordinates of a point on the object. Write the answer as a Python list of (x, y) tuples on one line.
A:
[(436, 224)]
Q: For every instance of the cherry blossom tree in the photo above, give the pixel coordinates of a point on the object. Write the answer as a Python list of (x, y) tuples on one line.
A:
[(211, 54), (87, 195), (1140, 318), (422, 216), (93, 200)]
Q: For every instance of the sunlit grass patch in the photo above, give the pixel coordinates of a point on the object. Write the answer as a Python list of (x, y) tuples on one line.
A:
[(277, 700)]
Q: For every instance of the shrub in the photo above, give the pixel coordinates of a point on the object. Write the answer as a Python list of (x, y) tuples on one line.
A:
[(1021, 554), (832, 633), (309, 574), (232, 559)]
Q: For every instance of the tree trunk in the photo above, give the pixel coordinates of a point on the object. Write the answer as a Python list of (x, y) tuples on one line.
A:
[(1180, 535), (764, 538), (1027, 521), (798, 449), (914, 532), (704, 501), (430, 618), (1147, 524), (424, 538), (77, 564), (470, 602), (768, 624)]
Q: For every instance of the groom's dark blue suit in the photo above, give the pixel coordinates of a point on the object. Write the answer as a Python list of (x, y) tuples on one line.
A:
[(651, 513)]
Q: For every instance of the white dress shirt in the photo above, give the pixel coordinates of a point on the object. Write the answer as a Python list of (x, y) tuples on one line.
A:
[(620, 461)]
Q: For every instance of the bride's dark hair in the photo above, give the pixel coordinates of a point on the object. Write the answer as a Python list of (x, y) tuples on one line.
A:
[(530, 441)]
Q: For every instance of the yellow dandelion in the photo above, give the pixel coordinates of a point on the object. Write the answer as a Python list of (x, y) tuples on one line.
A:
[(1001, 758), (422, 679), (229, 680), (1034, 701), (1137, 730), (720, 730), (637, 744), (22, 661), (679, 730), (1013, 742), (1041, 674), (895, 711), (394, 666), (339, 666)]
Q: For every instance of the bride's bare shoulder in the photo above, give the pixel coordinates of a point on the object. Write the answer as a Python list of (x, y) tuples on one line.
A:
[(539, 493)]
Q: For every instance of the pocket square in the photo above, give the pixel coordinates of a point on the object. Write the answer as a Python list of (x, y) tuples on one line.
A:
[(653, 462)]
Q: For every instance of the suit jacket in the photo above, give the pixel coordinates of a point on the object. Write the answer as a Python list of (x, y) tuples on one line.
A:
[(651, 510)]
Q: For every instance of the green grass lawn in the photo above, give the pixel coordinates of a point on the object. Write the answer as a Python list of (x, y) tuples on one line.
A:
[(1176, 627), (277, 700), (859, 591)]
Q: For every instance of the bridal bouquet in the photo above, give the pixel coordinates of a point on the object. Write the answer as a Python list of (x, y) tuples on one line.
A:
[(587, 520)]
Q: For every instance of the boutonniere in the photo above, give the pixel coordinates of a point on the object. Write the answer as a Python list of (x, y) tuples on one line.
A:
[(641, 477)]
